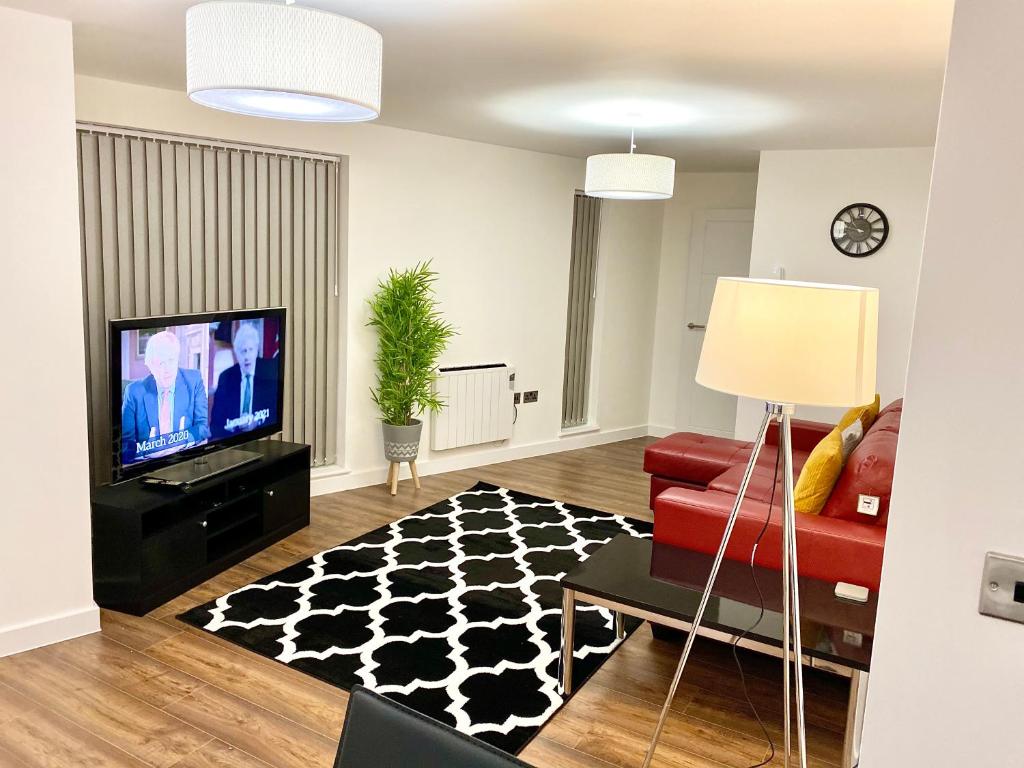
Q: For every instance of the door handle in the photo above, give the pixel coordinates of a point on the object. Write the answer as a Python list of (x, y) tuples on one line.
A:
[(695, 326)]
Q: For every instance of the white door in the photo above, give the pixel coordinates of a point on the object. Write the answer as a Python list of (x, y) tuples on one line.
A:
[(719, 246)]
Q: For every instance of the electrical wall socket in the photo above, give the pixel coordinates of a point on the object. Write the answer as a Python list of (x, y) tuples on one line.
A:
[(1002, 587), (868, 505), (517, 398), (530, 396)]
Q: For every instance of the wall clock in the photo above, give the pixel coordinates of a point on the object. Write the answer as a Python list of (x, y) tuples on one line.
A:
[(859, 230)]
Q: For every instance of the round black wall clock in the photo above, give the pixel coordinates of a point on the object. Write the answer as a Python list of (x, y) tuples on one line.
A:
[(859, 230)]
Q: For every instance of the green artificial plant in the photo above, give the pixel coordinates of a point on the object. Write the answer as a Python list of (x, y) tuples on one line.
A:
[(411, 337)]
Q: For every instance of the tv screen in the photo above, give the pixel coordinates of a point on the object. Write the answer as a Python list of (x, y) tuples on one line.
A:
[(182, 385)]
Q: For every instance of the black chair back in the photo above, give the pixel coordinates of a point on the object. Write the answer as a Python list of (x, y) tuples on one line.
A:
[(380, 733)]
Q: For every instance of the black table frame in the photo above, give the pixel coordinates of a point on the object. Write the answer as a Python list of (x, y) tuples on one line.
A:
[(595, 584)]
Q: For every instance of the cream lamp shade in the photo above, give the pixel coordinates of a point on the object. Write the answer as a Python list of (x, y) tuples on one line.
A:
[(283, 61), (791, 342), (630, 176)]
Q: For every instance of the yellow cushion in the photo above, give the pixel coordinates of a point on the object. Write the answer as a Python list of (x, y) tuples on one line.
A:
[(866, 414), (872, 412), (820, 473)]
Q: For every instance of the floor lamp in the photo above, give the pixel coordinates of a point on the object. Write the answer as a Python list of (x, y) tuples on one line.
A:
[(785, 343)]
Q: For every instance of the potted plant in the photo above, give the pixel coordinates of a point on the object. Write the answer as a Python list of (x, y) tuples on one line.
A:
[(411, 335)]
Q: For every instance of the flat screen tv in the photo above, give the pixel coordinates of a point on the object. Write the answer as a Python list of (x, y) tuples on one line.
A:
[(183, 385)]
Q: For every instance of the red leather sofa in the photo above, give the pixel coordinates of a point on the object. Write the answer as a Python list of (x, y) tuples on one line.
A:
[(695, 478)]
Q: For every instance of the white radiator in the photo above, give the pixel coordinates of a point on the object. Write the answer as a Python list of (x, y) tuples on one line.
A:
[(478, 406)]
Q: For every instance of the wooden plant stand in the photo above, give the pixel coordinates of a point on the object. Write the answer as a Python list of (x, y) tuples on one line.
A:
[(393, 475)]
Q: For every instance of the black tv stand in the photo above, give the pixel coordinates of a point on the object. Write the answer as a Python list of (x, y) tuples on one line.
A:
[(152, 542)]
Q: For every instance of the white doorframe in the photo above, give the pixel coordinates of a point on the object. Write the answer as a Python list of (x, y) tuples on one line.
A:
[(692, 338)]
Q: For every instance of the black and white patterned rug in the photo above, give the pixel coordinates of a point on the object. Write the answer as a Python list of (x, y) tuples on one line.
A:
[(454, 611)]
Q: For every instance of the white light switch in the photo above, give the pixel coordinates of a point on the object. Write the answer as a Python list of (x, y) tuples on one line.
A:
[(868, 505)]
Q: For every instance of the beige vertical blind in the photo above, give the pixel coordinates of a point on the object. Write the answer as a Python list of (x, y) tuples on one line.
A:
[(175, 225), (580, 315)]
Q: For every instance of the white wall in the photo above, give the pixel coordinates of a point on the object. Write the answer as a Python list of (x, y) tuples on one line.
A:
[(628, 254), (946, 682), (798, 194), (497, 223), (46, 589), (693, 192)]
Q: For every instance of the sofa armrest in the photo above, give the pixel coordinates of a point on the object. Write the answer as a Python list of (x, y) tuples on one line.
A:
[(806, 434)]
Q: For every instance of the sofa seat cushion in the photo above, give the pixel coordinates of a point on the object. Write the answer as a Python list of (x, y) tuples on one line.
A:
[(765, 459), (759, 489), (762, 481), (827, 549), (694, 458)]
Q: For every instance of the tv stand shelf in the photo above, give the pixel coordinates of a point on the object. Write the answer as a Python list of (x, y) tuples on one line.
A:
[(151, 543)]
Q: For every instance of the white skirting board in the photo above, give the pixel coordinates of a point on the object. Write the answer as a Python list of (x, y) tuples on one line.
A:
[(333, 479), (49, 630)]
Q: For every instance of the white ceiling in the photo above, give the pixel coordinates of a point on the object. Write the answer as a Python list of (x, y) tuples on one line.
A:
[(709, 82)]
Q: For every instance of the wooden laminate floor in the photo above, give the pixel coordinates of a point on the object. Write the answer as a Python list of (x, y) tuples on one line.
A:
[(153, 691)]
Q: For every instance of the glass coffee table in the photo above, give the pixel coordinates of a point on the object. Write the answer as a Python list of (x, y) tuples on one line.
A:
[(663, 584)]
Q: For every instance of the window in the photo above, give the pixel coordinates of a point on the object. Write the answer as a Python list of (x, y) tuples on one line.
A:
[(179, 225), (580, 315)]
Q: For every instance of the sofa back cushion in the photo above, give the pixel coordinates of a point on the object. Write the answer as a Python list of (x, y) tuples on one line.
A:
[(887, 422), (868, 472), (895, 405)]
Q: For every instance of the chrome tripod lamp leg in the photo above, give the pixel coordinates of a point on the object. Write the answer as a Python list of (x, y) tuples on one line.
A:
[(791, 594), (699, 615)]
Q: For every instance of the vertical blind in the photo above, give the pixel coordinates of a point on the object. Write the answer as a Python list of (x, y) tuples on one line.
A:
[(580, 315), (176, 225)]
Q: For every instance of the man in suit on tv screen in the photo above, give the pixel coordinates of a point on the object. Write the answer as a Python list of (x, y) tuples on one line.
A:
[(246, 394), (166, 411)]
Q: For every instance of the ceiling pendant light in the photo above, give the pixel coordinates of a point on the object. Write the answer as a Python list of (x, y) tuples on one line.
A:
[(283, 61), (630, 176)]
